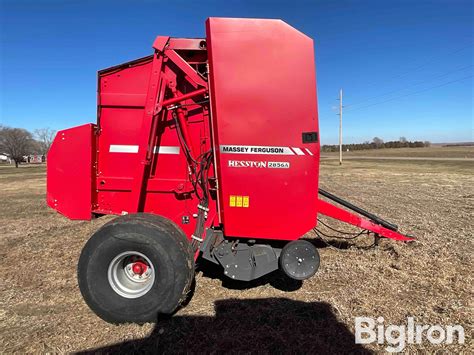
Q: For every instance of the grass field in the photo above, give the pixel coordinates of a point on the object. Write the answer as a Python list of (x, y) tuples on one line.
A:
[(42, 310), (435, 152)]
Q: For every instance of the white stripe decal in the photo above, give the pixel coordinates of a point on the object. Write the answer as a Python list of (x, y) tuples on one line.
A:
[(309, 151), (162, 149), (256, 149), (116, 148), (297, 151)]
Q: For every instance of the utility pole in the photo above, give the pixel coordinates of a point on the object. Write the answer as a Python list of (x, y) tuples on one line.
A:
[(340, 127)]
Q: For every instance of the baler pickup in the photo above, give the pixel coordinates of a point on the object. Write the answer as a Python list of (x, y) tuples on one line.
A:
[(202, 149), (374, 223)]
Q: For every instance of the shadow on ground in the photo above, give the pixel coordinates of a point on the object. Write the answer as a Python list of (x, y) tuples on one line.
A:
[(276, 325)]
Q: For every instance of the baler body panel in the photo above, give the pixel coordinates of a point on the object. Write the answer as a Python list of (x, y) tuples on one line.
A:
[(70, 172), (217, 133), (121, 107), (263, 96)]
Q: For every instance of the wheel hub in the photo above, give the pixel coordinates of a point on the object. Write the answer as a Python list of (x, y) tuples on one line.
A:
[(131, 274), (139, 268)]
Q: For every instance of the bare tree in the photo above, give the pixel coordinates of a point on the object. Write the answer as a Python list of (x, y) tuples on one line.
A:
[(44, 138), (403, 139), (16, 142), (378, 141)]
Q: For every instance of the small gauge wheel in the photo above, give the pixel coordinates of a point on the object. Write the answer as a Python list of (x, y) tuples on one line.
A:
[(299, 259)]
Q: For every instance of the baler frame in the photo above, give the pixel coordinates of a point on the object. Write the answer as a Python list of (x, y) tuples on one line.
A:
[(192, 183), (156, 105)]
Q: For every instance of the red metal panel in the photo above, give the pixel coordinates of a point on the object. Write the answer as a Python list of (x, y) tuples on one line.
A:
[(70, 170), (125, 130), (263, 91), (187, 43)]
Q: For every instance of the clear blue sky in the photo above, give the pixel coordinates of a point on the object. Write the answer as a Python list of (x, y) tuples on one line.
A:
[(410, 54)]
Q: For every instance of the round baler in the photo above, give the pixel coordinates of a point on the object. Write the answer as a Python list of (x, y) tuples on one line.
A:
[(206, 149)]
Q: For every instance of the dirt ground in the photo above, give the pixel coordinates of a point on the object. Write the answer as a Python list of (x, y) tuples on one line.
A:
[(431, 280)]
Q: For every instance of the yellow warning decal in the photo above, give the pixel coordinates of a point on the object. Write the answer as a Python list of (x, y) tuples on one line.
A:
[(239, 201)]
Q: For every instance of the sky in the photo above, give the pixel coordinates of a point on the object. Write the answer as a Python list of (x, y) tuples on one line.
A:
[(405, 66)]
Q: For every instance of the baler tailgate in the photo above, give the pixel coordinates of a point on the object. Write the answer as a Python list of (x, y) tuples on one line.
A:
[(70, 168)]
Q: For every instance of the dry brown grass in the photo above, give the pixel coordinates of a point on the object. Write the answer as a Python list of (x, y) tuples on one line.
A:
[(429, 152), (42, 310)]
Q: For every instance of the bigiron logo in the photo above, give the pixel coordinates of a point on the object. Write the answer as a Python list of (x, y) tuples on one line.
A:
[(258, 164)]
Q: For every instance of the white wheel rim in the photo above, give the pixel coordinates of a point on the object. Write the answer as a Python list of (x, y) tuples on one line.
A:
[(131, 274)]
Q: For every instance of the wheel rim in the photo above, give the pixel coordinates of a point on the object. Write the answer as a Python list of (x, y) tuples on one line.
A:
[(131, 274), (299, 260)]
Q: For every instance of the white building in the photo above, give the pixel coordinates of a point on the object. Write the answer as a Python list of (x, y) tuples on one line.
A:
[(5, 158)]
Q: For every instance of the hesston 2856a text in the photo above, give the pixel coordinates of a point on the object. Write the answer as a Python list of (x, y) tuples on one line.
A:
[(258, 164)]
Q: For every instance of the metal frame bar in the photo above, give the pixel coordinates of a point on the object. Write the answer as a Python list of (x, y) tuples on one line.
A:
[(146, 132), (186, 68), (338, 213), (359, 210), (154, 107)]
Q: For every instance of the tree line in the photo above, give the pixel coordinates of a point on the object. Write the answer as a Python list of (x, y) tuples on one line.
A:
[(377, 143), (17, 143)]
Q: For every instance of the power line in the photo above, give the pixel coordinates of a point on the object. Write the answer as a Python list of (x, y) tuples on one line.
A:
[(409, 86), (433, 59), (412, 93)]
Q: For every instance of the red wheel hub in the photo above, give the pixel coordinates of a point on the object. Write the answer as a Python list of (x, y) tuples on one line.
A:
[(139, 267)]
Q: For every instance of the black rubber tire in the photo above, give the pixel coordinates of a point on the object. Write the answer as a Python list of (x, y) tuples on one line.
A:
[(167, 247)]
